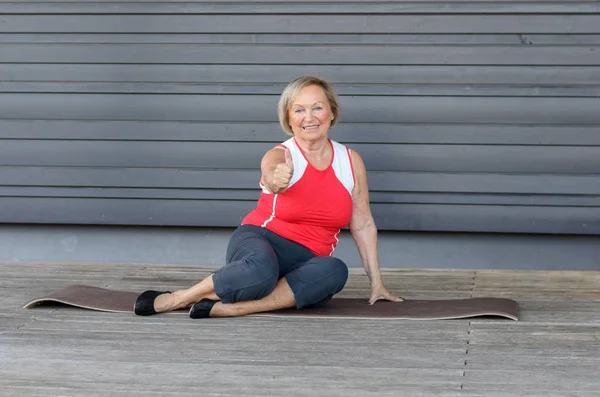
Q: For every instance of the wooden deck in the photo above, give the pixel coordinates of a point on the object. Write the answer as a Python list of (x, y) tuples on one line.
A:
[(554, 350)]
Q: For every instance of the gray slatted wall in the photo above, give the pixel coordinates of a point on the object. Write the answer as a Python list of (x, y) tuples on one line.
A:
[(471, 115)]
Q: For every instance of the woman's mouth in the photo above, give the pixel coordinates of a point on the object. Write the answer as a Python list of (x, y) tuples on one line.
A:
[(311, 128)]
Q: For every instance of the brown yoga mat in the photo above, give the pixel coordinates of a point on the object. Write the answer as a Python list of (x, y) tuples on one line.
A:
[(109, 300)]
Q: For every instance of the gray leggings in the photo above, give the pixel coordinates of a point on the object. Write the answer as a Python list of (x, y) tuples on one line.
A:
[(257, 258)]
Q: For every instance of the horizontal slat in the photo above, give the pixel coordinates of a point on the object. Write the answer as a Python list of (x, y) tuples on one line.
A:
[(133, 193), (414, 217), (504, 219), (262, 108), (301, 38), (234, 155), (475, 23), (346, 132), (252, 195), (129, 177), (218, 213), (300, 54), (282, 74), (270, 1), (275, 89), (330, 7), (248, 179)]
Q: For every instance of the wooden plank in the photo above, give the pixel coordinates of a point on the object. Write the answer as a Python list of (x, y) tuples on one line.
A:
[(538, 39), (505, 392), (487, 218), (523, 285), (551, 358), (261, 108), (485, 336), (220, 350), (332, 7), (182, 23), (248, 179), (81, 389), (303, 38), (230, 155), (293, 38), (490, 159), (282, 74), (132, 177), (124, 211), (554, 307), (219, 213), (580, 382), (285, 55), (275, 89), (253, 194), (482, 183), (264, 1), (346, 132), (451, 349), (227, 377)]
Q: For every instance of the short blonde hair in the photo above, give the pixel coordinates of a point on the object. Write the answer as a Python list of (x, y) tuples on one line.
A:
[(293, 89)]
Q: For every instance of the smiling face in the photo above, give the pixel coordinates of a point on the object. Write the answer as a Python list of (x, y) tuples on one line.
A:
[(310, 114)]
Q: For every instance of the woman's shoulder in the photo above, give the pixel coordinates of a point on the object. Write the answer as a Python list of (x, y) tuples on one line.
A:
[(289, 143), (351, 152)]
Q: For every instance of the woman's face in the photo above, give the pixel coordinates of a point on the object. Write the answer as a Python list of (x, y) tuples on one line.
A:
[(310, 114)]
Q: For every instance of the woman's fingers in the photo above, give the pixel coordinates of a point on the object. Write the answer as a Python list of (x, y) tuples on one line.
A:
[(378, 295), (282, 176)]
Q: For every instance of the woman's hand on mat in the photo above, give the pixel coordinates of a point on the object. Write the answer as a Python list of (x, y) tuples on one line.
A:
[(379, 292), (283, 173)]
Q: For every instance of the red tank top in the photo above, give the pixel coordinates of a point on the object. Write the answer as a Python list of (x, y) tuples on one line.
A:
[(316, 204)]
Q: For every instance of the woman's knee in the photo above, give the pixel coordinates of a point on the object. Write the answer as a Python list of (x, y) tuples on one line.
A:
[(318, 280), (336, 270)]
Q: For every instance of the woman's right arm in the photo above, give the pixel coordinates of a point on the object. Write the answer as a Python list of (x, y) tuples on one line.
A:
[(277, 169)]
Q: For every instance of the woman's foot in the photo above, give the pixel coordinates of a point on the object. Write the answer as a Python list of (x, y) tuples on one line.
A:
[(202, 308), (145, 304)]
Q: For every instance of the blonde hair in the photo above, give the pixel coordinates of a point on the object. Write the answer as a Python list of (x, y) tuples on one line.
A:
[(293, 89)]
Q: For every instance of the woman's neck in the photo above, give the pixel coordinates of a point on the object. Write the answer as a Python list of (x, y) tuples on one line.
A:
[(318, 152), (316, 148)]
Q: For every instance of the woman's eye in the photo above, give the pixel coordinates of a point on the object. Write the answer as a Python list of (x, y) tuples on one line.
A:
[(298, 111), (318, 108)]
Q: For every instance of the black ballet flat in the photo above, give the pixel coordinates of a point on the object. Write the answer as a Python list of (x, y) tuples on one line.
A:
[(202, 308), (144, 304)]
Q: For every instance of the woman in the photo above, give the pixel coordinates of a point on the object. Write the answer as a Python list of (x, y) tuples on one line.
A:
[(280, 257)]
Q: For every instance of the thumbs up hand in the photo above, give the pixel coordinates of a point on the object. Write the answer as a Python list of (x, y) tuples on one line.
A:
[(283, 173)]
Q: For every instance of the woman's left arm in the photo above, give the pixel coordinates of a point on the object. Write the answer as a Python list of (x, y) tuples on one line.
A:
[(364, 231)]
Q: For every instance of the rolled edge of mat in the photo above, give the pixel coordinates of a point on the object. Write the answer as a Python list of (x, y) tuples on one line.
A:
[(40, 301), (337, 317)]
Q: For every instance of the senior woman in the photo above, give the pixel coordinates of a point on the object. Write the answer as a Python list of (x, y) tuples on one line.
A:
[(280, 257)]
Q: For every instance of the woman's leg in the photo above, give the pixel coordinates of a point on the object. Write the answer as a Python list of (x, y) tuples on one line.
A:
[(311, 283), (317, 280), (282, 297), (184, 298), (251, 273)]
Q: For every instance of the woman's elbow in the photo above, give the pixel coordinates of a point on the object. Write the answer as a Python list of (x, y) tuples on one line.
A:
[(362, 224)]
